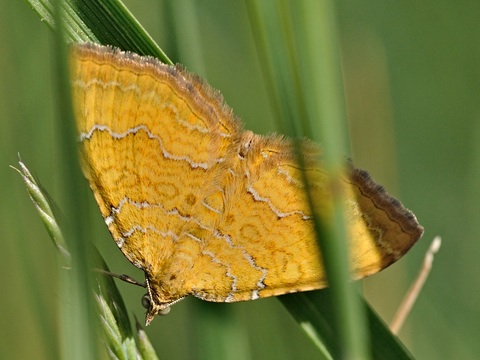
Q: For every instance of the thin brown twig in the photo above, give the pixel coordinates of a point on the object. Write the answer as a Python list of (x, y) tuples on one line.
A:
[(412, 294)]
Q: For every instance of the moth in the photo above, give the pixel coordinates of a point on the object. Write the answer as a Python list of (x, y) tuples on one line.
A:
[(204, 207)]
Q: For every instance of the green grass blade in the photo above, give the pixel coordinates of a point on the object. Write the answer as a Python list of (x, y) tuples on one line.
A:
[(286, 37), (41, 201), (78, 320), (315, 310), (101, 21), (117, 330), (144, 345), (310, 28), (317, 41)]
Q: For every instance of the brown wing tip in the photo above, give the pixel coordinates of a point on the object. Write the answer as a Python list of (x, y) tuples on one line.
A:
[(395, 209)]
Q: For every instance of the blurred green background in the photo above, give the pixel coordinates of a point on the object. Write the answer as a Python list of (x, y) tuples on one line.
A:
[(412, 76)]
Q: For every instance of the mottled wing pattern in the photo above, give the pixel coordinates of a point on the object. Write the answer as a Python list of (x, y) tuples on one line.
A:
[(203, 207), (250, 243), (266, 225), (149, 146)]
